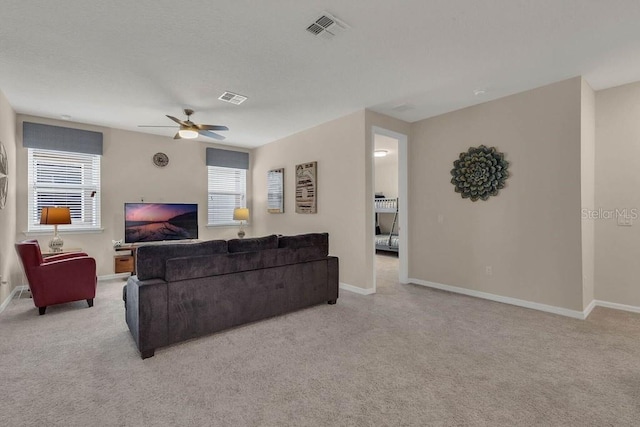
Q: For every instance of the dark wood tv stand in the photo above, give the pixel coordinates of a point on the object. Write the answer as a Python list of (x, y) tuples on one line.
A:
[(125, 262)]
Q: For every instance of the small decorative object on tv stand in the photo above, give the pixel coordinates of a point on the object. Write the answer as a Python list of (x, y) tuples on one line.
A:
[(54, 215)]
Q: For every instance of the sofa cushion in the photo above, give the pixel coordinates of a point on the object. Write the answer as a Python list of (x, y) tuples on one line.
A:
[(320, 240), (253, 244), (151, 259), (186, 268)]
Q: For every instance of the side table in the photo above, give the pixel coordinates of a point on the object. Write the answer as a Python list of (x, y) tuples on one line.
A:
[(125, 263)]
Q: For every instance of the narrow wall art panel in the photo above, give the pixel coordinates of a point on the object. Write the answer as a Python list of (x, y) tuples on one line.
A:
[(275, 191), (306, 188), (4, 176)]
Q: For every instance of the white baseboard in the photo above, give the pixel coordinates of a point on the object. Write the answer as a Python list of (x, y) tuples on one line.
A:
[(13, 293), (356, 289), (506, 300), (590, 307), (113, 276), (616, 306)]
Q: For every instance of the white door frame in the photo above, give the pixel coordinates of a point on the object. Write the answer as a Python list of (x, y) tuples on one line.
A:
[(403, 205)]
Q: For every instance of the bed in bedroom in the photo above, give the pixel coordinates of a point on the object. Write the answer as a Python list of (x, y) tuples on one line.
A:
[(386, 241)]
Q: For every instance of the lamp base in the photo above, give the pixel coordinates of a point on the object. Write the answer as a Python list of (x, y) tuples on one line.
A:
[(241, 234), (55, 244)]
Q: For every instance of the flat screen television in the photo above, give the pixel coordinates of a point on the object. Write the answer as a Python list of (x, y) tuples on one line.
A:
[(154, 222)]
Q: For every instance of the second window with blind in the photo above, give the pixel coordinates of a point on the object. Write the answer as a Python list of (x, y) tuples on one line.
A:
[(227, 185)]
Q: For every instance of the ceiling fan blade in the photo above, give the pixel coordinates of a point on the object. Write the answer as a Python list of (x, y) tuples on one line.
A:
[(154, 126), (177, 136), (211, 127), (211, 134), (180, 122)]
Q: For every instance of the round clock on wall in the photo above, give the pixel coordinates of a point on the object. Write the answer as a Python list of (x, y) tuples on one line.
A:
[(160, 159), (4, 176)]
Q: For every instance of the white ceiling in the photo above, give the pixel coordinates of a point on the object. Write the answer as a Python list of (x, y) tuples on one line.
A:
[(123, 63)]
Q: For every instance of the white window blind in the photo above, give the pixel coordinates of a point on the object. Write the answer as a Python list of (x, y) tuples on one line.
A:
[(62, 178), (227, 191)]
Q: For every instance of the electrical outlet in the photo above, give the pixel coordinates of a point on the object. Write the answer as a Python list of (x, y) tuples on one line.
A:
[(488, 270), (440, 218)]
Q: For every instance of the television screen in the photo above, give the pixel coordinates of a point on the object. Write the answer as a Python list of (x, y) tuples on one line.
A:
[(153, 222)]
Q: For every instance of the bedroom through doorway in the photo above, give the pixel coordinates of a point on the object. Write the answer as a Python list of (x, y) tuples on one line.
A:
[(389, 160)]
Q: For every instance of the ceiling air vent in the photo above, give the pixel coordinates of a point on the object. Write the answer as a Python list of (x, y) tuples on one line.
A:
[(233, 98), (327, 26)]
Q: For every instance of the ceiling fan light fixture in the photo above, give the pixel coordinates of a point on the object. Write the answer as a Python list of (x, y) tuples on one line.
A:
[(188, 133)]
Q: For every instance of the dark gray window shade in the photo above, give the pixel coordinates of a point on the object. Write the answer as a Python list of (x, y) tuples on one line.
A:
[(227, 158), (47, 137)]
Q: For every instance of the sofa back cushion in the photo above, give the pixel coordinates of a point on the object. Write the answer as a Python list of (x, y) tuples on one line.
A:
[(253, 244), (187, 268), (151, 259), (305, 241)]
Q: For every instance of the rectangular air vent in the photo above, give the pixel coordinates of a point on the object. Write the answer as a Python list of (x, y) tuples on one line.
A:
[(233, 98), (327, 26)]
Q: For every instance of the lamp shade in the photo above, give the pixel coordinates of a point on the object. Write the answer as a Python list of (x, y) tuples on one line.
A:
[(54, 215), (241, 214)]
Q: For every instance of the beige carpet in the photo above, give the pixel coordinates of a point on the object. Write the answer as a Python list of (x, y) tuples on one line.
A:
[(406, 356)]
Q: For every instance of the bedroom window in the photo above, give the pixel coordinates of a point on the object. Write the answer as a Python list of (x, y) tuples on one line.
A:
[(227, 191), (63, 178)]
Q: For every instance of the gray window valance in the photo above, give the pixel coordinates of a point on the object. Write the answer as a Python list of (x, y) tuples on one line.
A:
[(47, 137), (227, 158)]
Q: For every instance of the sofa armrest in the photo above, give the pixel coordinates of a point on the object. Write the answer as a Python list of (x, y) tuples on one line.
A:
[(333, 277), (146, 313)]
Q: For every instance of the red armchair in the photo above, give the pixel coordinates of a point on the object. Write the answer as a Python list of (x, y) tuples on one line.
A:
[(59, 278)]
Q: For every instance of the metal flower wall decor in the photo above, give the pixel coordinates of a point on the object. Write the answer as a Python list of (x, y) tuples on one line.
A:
[(479, 173)]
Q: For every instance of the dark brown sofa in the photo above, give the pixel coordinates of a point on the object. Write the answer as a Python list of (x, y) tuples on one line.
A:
[(182, 291)]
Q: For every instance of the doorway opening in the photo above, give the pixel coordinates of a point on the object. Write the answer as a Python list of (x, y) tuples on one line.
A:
[(390, 208)]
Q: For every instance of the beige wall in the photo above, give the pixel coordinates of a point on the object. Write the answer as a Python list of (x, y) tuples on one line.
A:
[(587, 173), (9, 268), (617, 254), (530, 234), (128, 175), (338, 147)]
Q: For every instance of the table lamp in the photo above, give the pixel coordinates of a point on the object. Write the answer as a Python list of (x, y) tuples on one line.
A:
[(54, 215), (242, 215)]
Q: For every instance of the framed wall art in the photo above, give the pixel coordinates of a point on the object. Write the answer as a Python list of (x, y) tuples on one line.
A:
[(307, 188), (479, 173), (4, 176), (275, 191)]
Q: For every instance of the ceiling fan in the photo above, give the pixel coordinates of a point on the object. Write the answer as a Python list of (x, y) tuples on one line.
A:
[(190, 130)]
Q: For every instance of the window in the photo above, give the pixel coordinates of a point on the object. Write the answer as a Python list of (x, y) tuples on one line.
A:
[(63, 178), (227, 191)]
